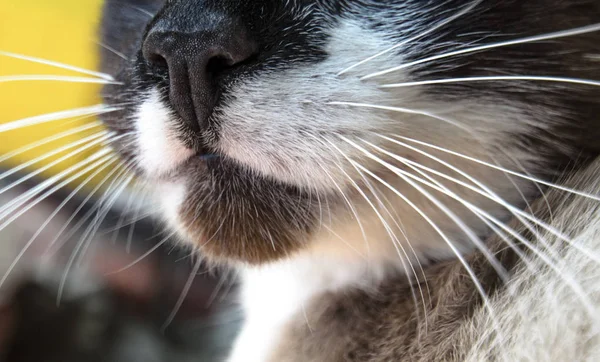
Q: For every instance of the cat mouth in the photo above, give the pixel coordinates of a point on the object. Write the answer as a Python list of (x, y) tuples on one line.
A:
[(180, 171)]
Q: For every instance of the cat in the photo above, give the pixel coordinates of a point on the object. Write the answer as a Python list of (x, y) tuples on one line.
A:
[(392, 179)]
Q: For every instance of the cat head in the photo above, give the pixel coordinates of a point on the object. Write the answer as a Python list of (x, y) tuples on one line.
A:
[(349, 127)]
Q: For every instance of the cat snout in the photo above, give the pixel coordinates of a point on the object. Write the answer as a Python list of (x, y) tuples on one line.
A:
[(195, 61)]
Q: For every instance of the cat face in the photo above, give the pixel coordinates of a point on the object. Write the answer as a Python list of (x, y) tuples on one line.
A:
[(358, 127)]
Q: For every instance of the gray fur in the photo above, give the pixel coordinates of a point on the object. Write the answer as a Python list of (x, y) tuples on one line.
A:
[(538, 315)]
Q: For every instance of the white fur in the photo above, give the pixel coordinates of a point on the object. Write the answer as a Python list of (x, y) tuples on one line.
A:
[(160, 151), (171, 195), (275, 293)]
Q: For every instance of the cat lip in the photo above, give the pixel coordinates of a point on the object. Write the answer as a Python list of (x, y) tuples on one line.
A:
[(179, 170), (207, 157)]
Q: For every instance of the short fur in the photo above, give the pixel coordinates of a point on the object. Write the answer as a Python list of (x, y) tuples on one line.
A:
[(326, 150)]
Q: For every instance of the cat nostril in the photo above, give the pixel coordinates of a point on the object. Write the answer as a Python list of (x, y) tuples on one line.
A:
[(157, 48), (218, 65), (157, 60), (194, 62)]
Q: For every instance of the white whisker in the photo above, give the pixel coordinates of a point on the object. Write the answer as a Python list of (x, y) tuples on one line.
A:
[(112, 50), (121, 221), (514, 173), (145, 12), (107, 160), (56, 151), (401, 110), (483, 191), (56, 64), (48, 183), (430, 30), (352, 208), (132, 227), (531, 39), (441, 188), (395, 242), (340, 238), (479, 212), (100, 184), (87, 142), (145, 255), (84, 241), (183, 295), (406, 176), (486, 301), (56, 116), (54, 78), (589, 82), (50, 139), (92, 229), (17, 202)]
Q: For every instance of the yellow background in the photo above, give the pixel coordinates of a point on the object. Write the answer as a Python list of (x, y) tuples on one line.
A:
[(58, 30)]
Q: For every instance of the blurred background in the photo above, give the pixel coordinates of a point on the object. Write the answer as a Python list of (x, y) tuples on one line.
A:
[(86, 273)]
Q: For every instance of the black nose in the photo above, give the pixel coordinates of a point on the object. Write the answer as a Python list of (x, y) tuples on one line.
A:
[(195, 60)]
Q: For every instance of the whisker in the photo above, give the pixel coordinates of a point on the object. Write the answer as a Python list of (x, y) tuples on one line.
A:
[(106, 160), (48, 183), (397, 217), (488, 193), (19, 201), (50, 139), (478, 211), (145, 12), (132, 228), (103, 205), (112, 50), (101, 134), (395, 242), (121, 223), (92, 229), (100, 184), (401, 110), (502, 273), (511, 172), (350, 246), (530, 39), (121, 220), (124, 223), (516, 186), (56, 116), (183, 295), (145, 255), (486, 301), (572, 283), (437, 26), (56, 64), (211, 299), (415, 166), (540, 78), (54, 78), (81, 244), (352, 208), (88, 142)]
